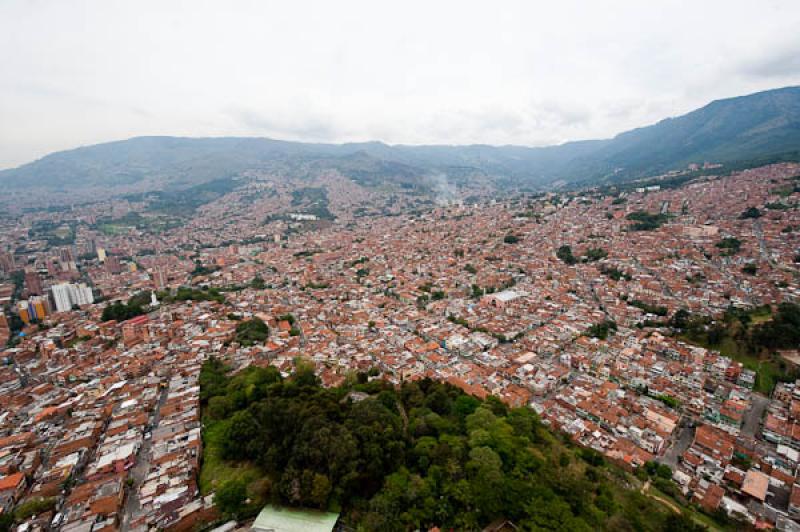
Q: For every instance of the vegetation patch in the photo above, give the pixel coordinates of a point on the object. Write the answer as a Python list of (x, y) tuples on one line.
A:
[(565, 254), (601, 330), (119, 311), (414, 457), (251, 332), (187, 293), (750, 213), (645, 221), (658, 310), (595, 254), (614, 273), (729, 245)]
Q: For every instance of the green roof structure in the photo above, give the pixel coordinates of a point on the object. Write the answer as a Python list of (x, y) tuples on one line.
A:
[(282, 519)]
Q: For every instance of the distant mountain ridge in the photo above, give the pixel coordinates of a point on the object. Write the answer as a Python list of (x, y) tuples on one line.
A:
[(760, 125)]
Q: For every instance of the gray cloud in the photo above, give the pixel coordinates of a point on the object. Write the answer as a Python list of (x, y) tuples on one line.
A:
[(294, 126), (780, 63), (452, 71)]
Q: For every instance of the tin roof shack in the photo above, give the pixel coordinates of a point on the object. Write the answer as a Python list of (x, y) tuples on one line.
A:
[(278, 519)]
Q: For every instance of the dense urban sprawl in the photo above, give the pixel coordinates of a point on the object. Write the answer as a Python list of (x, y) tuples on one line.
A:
[(576, 304)]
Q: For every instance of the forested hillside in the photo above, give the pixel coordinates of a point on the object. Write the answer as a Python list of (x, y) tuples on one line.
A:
[(421, 456)]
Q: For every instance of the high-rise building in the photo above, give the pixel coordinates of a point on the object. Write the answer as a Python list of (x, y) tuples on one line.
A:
[(113, 264), (66, 295), (7, 262), (101, 254), (38, 307), (83, 294), (61, 297), (65, 254), (33, 309), (33, 283), (22, 310)]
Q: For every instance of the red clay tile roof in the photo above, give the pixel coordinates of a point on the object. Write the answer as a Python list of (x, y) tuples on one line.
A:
[(11, 482)]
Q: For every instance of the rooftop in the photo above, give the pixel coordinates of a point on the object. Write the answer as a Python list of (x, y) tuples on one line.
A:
[(279, 519)]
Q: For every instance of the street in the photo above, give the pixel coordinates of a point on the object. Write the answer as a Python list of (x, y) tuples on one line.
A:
[(678, 447), (139, 471), (752, 418)]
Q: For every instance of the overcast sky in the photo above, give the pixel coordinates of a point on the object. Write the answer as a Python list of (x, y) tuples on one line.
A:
[(524, 72)]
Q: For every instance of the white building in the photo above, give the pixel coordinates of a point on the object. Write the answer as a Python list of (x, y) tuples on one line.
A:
[(61, 297), (66, 295)]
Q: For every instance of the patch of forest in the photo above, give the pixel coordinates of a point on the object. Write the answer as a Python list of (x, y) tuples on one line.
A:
[(417, 456)]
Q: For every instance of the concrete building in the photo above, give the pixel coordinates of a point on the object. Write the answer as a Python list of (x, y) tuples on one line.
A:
[(66, 295)]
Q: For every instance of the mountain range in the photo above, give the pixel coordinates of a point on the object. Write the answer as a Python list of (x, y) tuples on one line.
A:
[(758, 127)]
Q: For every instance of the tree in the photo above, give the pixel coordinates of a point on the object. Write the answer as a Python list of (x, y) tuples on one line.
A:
[(565, 254), (680, 320), (34, 506), (212, 379), (782, 332), (668, 400), (601, 330), (524, 422), (682, 523), (750, 269), (481, 418), (230, 497), (320, 490), (614, 273), (6, 521), (595, 254), (304, 374), (750, 212), (486, 469), (729, 245), (439, 402), (15, 323), (219, 407), (252, 331), (465, 405), (477, 291), (242, 437)]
